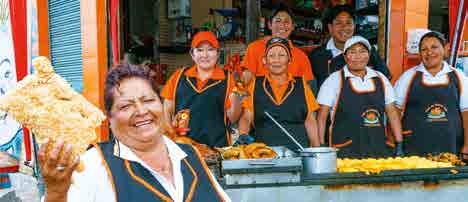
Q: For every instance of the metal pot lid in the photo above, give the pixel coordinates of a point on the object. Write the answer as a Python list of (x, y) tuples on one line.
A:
[(319, 150)]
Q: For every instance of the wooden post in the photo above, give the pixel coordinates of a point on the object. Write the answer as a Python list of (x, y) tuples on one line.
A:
[(156, 31), (382, 36), (251, 21)]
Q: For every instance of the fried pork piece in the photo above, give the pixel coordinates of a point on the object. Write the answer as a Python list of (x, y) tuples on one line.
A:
[(448, 158), (255, 150), (46, 104)]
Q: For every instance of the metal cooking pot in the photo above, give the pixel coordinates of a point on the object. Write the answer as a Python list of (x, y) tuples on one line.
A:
[(318, 160)]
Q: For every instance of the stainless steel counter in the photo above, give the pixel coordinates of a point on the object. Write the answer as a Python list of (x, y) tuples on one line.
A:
[(424, 185), (416, 191)]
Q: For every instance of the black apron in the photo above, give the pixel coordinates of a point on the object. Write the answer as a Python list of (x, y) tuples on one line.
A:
[(133, 182), (358, 127), (431, 117), (323, 63), (207, 115), (291, 114)]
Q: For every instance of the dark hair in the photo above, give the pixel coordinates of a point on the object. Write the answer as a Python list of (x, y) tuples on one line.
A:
[(439, 36), (281, 7), (336, 10), (120, 73)]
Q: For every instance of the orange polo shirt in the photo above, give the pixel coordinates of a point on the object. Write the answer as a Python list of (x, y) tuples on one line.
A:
[(253, 60), (169, 90), (279, 91)]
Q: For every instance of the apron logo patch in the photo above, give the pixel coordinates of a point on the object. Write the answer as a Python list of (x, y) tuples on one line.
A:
[(436, 113), (371, 118)]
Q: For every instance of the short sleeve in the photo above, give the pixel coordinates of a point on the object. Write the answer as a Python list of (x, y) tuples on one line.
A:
[(329, 90), (169, 88), (464, 91), (402, 86), (389, 91), (312, 104), (250, 59)]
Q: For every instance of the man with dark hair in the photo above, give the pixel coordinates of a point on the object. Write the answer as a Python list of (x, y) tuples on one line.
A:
[(328, 58)]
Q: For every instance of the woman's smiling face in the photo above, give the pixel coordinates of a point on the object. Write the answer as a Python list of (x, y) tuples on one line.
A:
[(205, 55), (357, 57), (135, 117), (431, 52), (277, 59)]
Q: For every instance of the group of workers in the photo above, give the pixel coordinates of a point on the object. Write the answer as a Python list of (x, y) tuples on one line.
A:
[(357, 110)]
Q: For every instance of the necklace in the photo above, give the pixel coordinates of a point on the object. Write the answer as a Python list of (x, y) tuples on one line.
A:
[(166, 168), (163, 169)]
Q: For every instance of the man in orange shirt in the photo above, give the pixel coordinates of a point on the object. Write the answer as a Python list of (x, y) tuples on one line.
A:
[(288, 98), (281, 25), (205, 92)]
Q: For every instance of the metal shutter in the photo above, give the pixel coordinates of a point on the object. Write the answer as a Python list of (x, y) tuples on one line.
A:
[(65, 40)]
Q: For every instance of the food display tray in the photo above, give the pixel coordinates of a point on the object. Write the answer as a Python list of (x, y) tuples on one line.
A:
[(285, 168)]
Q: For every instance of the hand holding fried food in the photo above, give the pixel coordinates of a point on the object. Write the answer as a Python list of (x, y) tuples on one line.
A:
[(372, 165), (47, 105), (251, 151)]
